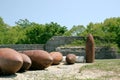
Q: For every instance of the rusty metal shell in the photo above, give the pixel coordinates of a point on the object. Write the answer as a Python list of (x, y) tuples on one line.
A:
[(70, 58), (26, 62), (40, 59), (90, 49), (10, 61), (57, 57)]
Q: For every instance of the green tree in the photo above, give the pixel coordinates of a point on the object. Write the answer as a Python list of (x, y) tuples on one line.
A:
[(75, 31), (3, 31), (40, 34), (54, 29), (112, 29), (16, 33), (23, 23), (108, 31), (32, 34)]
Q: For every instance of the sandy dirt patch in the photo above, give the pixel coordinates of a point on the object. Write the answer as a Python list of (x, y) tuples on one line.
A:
[(58, 72)]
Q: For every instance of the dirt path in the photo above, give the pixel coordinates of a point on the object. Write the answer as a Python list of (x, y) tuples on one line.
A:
[(59, 72), (54, 72)]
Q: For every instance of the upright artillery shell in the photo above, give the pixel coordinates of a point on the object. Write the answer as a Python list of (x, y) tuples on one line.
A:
[(90, 49)]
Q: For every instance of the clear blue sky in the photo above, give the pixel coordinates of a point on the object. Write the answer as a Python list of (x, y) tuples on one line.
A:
[(64, 12)]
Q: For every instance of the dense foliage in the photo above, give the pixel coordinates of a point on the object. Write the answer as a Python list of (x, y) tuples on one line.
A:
[(26, 32), (105, 33)]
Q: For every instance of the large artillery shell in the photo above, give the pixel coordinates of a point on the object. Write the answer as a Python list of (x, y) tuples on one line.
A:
[(10, 61), (26, 62), (71, 58), (57, 57), (40, 59), (90, 49)]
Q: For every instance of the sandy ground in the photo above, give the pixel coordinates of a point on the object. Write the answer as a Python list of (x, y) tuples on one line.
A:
[(58, 72), (53, 72)]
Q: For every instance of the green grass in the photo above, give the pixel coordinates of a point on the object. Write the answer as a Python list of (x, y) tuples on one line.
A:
[(107, 65)]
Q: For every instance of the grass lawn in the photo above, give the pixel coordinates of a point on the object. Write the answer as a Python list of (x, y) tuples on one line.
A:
[(108, 68)]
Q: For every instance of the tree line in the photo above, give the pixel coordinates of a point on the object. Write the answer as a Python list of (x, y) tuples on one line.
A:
[(106, 32), (26, 32)]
